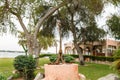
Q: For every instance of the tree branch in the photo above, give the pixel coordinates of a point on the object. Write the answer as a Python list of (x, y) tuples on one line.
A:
[(41, 20), (23, 25), (17, 15)]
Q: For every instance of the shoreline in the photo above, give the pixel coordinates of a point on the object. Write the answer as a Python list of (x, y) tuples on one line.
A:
[(9, 55)]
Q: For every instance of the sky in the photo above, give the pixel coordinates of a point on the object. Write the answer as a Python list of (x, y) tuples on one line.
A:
[(10, 42), (106, 14)]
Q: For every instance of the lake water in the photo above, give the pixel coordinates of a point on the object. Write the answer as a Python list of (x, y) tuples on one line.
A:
[(9, 55)]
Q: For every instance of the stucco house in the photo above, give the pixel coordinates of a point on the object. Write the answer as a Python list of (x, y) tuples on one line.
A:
[(105, 47)]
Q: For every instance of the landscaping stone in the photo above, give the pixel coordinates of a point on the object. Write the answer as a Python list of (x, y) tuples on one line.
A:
[(39, 76), (110, 77), (10, 78), (82, 77)]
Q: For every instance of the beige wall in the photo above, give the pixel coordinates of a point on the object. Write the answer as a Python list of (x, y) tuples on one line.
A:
[(106, 45)]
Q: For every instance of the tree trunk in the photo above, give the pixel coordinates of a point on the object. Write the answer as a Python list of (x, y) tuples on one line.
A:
[(81, 59), (59, 58), (33, 47), (30, 44), (60, 54)]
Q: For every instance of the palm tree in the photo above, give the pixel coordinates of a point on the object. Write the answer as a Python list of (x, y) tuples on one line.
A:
[(55, 44), (60, 57)]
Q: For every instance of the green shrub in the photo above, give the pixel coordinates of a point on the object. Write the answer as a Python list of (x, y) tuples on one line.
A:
[(116, 63), (2, 77), (46, 55), (110, 59), (25, 65), (74, 55), (53, 58), (93, 58), (67, 58), (116, 53), (116, 66)]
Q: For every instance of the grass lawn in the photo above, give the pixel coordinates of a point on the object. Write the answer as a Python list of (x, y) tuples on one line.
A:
[(6, 66), (92, 71)]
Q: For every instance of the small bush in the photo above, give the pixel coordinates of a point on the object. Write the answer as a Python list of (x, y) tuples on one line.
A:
[(67, 58), (116, 66), (2, 77), (116, 53), (25, 65), (53, 58), (116, 63)]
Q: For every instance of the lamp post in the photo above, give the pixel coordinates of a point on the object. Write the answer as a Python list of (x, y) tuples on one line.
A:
[(60, 58)]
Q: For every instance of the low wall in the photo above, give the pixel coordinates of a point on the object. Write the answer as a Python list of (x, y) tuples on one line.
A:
[(61, 72)]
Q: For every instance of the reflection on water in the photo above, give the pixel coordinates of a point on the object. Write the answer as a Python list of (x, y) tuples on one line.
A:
[(9, 54)]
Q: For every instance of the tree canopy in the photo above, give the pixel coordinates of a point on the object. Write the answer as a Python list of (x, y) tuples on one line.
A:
[(92, 33), (114, 26), (38, 16)]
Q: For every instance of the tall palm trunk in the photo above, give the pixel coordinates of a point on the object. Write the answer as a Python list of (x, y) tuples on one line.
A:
[(60, 54)]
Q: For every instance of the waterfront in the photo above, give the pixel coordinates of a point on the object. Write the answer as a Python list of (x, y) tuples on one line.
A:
[(10, 54)]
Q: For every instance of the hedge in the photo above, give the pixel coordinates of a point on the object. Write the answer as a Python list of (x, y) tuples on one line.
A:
[(67, 58), (93, 58)]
